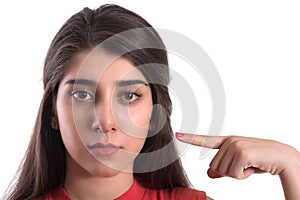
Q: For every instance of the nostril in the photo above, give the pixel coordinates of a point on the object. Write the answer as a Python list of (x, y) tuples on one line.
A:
[(96, 127), (99, 130)]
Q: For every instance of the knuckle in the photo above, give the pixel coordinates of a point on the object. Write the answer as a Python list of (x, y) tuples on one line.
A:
[(233, 138), (240, 147), (243, 155)]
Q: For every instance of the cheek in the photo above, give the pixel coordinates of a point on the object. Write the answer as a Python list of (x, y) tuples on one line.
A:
[(68, 129), (139, 143), (75, 121), (140, 117), (134, 120), (73, 141)]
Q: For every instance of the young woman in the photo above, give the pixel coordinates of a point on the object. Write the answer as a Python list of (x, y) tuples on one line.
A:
[(99, 133)]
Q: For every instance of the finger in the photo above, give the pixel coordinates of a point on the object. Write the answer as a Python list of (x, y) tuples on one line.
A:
[(237, 168), (221, 163), (212, 174), (213, 142), (247, 172)]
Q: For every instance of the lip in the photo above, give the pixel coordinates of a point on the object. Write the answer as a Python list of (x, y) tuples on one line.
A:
[(103, 149)]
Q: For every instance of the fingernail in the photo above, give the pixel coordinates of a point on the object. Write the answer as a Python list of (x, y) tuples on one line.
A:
[(179, 135)]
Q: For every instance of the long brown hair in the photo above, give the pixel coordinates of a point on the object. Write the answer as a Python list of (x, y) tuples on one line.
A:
[(43, 167)]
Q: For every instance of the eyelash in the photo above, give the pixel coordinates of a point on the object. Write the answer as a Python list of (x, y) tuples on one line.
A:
[(128, 92), (75, 92), (120, 96)]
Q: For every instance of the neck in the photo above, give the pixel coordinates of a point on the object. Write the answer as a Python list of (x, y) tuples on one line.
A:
[(80, 184)]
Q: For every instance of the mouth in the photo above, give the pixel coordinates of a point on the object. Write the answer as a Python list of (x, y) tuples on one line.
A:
[(103, 149)]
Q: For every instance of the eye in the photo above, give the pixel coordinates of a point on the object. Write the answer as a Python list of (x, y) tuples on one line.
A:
[(129, 97), (81, 95)]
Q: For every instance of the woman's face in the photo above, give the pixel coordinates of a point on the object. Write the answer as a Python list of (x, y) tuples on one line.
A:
[(104, 109)]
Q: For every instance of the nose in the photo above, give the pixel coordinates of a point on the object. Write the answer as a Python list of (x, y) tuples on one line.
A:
[(105, 121)]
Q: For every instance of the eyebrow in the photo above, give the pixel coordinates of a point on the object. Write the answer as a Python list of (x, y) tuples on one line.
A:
[(124, 83), (82, 82), (121, 83)]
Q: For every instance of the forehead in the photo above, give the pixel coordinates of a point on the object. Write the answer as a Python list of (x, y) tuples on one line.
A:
[(102, 67)]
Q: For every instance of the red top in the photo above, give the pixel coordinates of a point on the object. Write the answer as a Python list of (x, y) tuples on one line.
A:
[(137, 191)]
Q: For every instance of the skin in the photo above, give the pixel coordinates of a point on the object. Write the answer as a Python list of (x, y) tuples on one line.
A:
[(239, 157), (90, 176), (106, 112)]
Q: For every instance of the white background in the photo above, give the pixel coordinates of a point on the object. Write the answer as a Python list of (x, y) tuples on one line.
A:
[(255, 46)]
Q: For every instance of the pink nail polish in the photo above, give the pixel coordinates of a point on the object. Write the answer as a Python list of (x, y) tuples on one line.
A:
[(178, 134)]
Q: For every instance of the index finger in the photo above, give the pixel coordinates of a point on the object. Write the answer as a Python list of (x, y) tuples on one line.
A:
[(212, 142)]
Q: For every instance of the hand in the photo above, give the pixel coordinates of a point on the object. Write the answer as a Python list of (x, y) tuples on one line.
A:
[(239, 157)]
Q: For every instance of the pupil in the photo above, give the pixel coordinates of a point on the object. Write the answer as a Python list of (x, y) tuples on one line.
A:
[(82, 95), (128, 96)]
